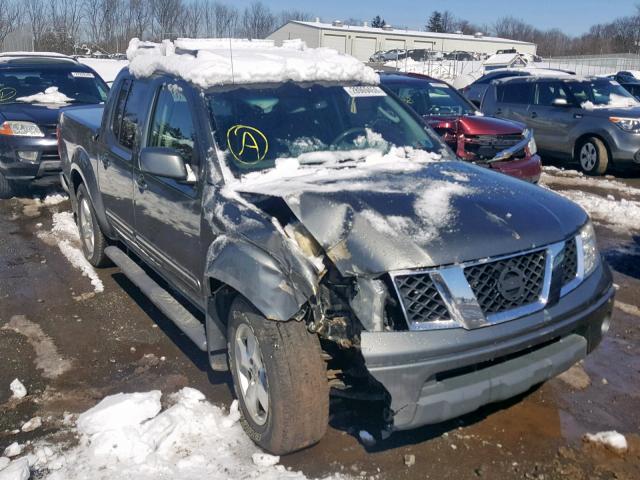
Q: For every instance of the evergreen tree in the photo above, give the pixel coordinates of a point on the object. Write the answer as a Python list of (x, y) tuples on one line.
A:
[(378, 22), (435, 22)]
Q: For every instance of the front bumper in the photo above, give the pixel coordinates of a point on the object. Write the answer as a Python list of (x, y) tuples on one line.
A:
[(528, 168), (624, 146), (437, 375), (14, 168)]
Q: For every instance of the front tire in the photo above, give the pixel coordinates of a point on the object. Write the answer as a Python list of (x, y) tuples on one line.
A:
[(91, 237), (593, 156), (279, 378), (7, 190)]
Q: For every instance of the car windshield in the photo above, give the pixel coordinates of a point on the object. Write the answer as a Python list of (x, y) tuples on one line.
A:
[(35, 85), (432, 99), (602, 93), (255, 126)]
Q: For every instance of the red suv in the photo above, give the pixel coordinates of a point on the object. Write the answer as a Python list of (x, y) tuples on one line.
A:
[(502, 145)]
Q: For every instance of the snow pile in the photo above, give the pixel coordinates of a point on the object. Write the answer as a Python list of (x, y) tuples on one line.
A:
[(108, 69), (50, 95), (17, 470), (18, 389), (448, 70), (611, 440), (572, 178), (220, 62), (125, 436), (54, 199), (65, 234)]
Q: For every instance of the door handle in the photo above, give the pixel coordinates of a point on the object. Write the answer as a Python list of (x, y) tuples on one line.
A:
[(534, 115), (141, 182)]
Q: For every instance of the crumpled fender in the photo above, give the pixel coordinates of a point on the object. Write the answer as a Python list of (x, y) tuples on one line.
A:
[(277, 289)]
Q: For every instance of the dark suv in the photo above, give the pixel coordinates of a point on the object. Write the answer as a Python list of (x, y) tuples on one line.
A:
[(33, 88), (592, 121), (318, 226)]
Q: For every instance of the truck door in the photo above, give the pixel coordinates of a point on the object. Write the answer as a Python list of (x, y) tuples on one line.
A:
[(167, 211), (117, 154)]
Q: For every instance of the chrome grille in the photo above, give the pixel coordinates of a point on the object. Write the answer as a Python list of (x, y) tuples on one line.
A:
[(485, 147), (570, 262), (420, 298), (508, 283)]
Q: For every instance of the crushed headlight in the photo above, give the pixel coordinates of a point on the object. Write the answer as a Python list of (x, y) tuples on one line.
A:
[(27, 156), (590, 253), (631, 125), (531, 145), (20, 129)]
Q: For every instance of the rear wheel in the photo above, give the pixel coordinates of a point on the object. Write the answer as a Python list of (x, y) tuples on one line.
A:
[(93, 240), (593, 156), (279, 378), (7, 189)]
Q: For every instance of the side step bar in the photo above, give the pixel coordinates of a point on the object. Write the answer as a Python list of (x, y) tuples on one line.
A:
[(160, 297)]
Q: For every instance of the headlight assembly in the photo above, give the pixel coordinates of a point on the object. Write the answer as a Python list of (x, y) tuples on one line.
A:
[(20, 129), (590, 255), (631, 125)]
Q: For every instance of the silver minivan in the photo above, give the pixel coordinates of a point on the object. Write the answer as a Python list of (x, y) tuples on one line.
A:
[(591, 120)]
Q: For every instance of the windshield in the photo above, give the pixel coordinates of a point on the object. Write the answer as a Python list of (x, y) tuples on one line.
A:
[(19, 85), (316, 124), (602, 93), (432, 99)]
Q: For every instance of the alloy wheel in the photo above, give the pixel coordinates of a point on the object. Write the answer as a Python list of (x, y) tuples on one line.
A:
[(251, 374), (86, 226), (588, 156)]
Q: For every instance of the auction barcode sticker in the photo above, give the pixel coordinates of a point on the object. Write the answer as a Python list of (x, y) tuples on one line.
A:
[(365, 91), (82, 75)]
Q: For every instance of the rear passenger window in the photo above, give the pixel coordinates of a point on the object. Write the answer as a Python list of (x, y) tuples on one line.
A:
[(172, 125), (521, 93), (129, 105)]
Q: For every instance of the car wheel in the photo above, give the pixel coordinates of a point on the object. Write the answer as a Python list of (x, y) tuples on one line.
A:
[(7, 189), (593, 156), (279, 378), (91, 237)]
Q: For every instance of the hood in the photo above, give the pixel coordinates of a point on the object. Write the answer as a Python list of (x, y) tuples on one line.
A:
[(629, 112), (475, 125), (28, 112), (442, 213)]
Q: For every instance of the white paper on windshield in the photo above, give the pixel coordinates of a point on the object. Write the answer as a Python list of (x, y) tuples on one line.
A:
[(82, 75), (365, 91), (439, 85)]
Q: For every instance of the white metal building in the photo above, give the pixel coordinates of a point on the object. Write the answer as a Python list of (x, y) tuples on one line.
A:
[(363, 41)]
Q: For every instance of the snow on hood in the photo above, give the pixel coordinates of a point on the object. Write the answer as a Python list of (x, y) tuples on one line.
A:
[(403, 214), (615, 101), (50, 95), (211, 62)]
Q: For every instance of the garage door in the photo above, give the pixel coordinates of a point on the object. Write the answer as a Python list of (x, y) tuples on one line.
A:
[(392, 43), (363, 48), (337, 42), (424, 45)]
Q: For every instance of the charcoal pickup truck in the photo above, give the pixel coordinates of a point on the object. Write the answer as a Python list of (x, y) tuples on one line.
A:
[(313, 236)]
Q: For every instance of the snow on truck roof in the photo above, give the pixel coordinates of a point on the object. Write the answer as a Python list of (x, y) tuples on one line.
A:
[(213, 62)]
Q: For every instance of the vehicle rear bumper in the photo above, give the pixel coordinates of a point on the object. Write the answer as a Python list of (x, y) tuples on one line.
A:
[(436, 375), (528, 168)]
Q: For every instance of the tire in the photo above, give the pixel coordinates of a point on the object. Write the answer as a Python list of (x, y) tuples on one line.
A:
[(7, 189), (91, 237), (292, 412), (593, 156)]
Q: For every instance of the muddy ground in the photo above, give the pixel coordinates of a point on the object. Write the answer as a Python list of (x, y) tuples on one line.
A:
[(71, 347)]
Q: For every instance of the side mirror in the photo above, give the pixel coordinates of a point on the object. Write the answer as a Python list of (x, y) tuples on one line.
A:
[(560, 102), (163, 162)]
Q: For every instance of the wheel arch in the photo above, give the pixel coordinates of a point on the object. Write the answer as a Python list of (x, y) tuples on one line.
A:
[(600, 136)]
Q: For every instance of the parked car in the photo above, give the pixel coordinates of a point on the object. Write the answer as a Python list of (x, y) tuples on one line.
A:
[(475, 91), (33, 87), (423, 55), (320, 222), (459, 55), (388, 55), (505, 146), (632, 87), (629, 81), (590, 120)]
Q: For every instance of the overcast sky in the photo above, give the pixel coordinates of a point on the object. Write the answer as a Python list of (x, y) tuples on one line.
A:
[(571, 16)]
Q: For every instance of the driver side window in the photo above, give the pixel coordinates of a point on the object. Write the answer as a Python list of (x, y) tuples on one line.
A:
[(172, 124)]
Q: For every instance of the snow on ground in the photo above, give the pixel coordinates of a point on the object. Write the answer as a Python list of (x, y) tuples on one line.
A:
[(50, 95), (232, 62), (611, 440), (108, 69), (131, 436), (618, 214), (18, 390), (64, 233)]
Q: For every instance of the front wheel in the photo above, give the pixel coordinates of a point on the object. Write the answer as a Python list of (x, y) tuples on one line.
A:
[(91, 237), (279, 378), (593, 156)]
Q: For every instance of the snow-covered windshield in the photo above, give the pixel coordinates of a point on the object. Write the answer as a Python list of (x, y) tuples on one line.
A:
[(59, 85), (600, 93), (317, 124), (432, 99)]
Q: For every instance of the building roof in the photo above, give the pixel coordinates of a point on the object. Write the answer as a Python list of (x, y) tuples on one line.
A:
[(413, 33)]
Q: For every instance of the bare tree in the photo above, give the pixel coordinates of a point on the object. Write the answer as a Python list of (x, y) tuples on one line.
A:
[(293, 14), (140, 17), (9, 18), (165, 17), (257, 21), (36, 18), (226, 20)]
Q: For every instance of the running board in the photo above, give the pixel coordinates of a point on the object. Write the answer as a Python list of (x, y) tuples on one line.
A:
[(160, 297)]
